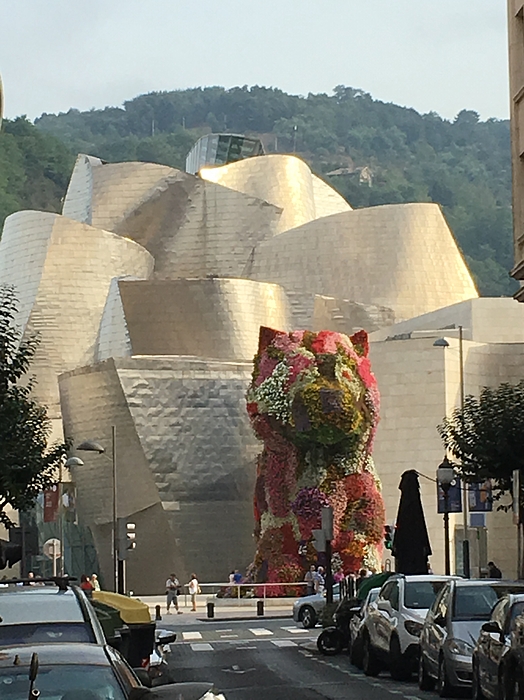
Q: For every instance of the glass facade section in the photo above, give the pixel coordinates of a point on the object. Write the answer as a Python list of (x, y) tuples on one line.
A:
[(219, 149)]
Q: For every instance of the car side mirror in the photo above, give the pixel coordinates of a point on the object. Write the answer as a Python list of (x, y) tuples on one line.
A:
[(491, 627), (384, 605)]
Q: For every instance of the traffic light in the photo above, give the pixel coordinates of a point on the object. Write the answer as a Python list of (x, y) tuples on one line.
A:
[(319, 540), (10, 554), (126, 538), (388, 537)]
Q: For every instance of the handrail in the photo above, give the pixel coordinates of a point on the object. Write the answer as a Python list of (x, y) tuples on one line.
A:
[(239, 586)]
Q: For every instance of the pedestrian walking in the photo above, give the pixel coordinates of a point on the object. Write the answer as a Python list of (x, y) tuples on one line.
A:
[(362, 576), (95, 582), (86, 585), (309, 578), (172, 593), (318, 580), (493, 570), (194, 589)]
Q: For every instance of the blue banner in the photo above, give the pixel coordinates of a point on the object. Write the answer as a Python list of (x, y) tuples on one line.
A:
[(454, 499), (479, 497)]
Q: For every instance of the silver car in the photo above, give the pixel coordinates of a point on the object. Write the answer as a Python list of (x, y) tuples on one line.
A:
[(451, 629), (307, 610), (356, 626)]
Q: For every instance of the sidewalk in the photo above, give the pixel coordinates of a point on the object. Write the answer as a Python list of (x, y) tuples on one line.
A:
[(225, 608)]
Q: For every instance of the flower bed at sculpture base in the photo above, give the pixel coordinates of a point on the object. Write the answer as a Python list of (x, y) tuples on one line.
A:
[(314, 403)]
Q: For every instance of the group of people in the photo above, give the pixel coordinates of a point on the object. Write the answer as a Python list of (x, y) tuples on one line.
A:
[(89, 583), (174, 589)]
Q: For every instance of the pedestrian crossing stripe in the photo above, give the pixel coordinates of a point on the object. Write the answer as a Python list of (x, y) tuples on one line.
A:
[(186, 636), (295, 630), (201, 647), (261, 632), (283, 643)]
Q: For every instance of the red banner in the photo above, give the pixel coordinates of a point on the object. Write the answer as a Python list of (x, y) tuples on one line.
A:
[(51, 502)]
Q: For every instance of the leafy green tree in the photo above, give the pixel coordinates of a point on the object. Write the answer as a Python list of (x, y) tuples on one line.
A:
[(28, 463), (487, 436)]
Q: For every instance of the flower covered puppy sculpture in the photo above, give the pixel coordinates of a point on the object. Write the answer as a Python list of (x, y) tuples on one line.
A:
[(314, 403)]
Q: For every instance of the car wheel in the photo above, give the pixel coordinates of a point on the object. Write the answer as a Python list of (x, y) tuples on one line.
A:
[(355, 652), (308, 617), (425, 681), (370, 662), (476, 690), (444, 689), (398, 667), (330, 642)]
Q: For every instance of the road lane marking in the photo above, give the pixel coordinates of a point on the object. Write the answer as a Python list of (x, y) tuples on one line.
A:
[(229, 636), (201, 647), (260, 632), (283, 643), (186, 636), (295, 630)]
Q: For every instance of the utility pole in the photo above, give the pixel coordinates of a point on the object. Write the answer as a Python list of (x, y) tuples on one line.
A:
[(327, 527), (465, 505)]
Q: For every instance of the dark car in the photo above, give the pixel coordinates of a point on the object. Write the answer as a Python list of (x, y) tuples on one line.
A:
[(452, 627), (496, 654), (82, 672)]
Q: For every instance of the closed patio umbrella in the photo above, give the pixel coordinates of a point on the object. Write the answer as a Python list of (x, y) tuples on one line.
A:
[(411, 547)]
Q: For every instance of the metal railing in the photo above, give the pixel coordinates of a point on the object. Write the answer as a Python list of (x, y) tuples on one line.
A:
[(233, 591)]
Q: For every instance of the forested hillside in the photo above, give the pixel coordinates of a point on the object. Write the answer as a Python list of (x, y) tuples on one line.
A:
[(372, 152)]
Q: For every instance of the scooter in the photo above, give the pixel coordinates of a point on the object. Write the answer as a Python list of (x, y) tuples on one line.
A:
[(332, 640), (157, 667)]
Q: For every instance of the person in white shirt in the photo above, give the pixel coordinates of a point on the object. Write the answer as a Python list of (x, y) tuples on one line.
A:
[(194, 588), (172, 590)]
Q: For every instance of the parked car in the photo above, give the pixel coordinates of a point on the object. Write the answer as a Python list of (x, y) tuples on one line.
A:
[(356, 627), (497, 653), (308, 609), (82, 672), (36, 614), (391, 630), (451, 630)]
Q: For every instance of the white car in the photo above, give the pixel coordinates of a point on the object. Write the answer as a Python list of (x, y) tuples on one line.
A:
[(393, 625)]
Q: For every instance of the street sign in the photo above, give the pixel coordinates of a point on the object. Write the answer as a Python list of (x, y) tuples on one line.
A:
[(454, 498), (52, 548)]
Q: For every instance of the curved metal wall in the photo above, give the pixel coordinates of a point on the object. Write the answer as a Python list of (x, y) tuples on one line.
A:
[(401, 256), (62, 271)]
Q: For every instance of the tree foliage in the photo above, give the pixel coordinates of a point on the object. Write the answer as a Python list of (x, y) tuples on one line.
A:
[(463, 165), (487, 436), (27, 462)]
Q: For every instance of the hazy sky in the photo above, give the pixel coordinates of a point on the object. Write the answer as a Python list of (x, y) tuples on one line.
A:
[(433, 55)]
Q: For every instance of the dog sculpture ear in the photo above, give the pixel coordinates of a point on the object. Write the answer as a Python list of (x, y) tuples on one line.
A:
[(360, 343)]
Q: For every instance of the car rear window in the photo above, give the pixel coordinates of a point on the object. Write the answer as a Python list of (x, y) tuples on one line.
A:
[(32, 633), (420, 595), (18, 607), (475, 602)]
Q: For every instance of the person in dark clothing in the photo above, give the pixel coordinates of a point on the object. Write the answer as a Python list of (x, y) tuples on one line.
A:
[(493, 570)]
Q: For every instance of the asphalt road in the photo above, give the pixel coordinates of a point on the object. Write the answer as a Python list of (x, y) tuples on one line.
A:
[(274, 660)]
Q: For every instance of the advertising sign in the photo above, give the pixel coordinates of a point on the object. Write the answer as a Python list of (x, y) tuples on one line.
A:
[(454, 498), (479, 497), (51, 502)]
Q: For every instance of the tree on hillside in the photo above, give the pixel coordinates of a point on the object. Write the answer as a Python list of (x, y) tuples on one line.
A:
[(27, 462), (487, 436)]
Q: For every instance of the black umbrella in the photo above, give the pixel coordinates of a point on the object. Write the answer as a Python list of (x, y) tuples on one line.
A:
[(411, 547)]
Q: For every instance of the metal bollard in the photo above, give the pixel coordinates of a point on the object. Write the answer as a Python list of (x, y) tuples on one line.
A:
[(210, 610), (260, 608), (158, 616)]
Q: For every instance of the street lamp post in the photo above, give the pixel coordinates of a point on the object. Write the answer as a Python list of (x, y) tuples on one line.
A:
[(445, 477), (71, 462), (92, 446), (443, 343)]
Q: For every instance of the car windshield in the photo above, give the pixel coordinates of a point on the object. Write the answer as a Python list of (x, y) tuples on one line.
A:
[(475, 602), (61, 682), (44, 632), (420, 595)]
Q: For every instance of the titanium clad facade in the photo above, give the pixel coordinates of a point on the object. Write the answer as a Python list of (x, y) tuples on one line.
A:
[(62, 271), (402, 257), (185, 459), (217, 318)]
